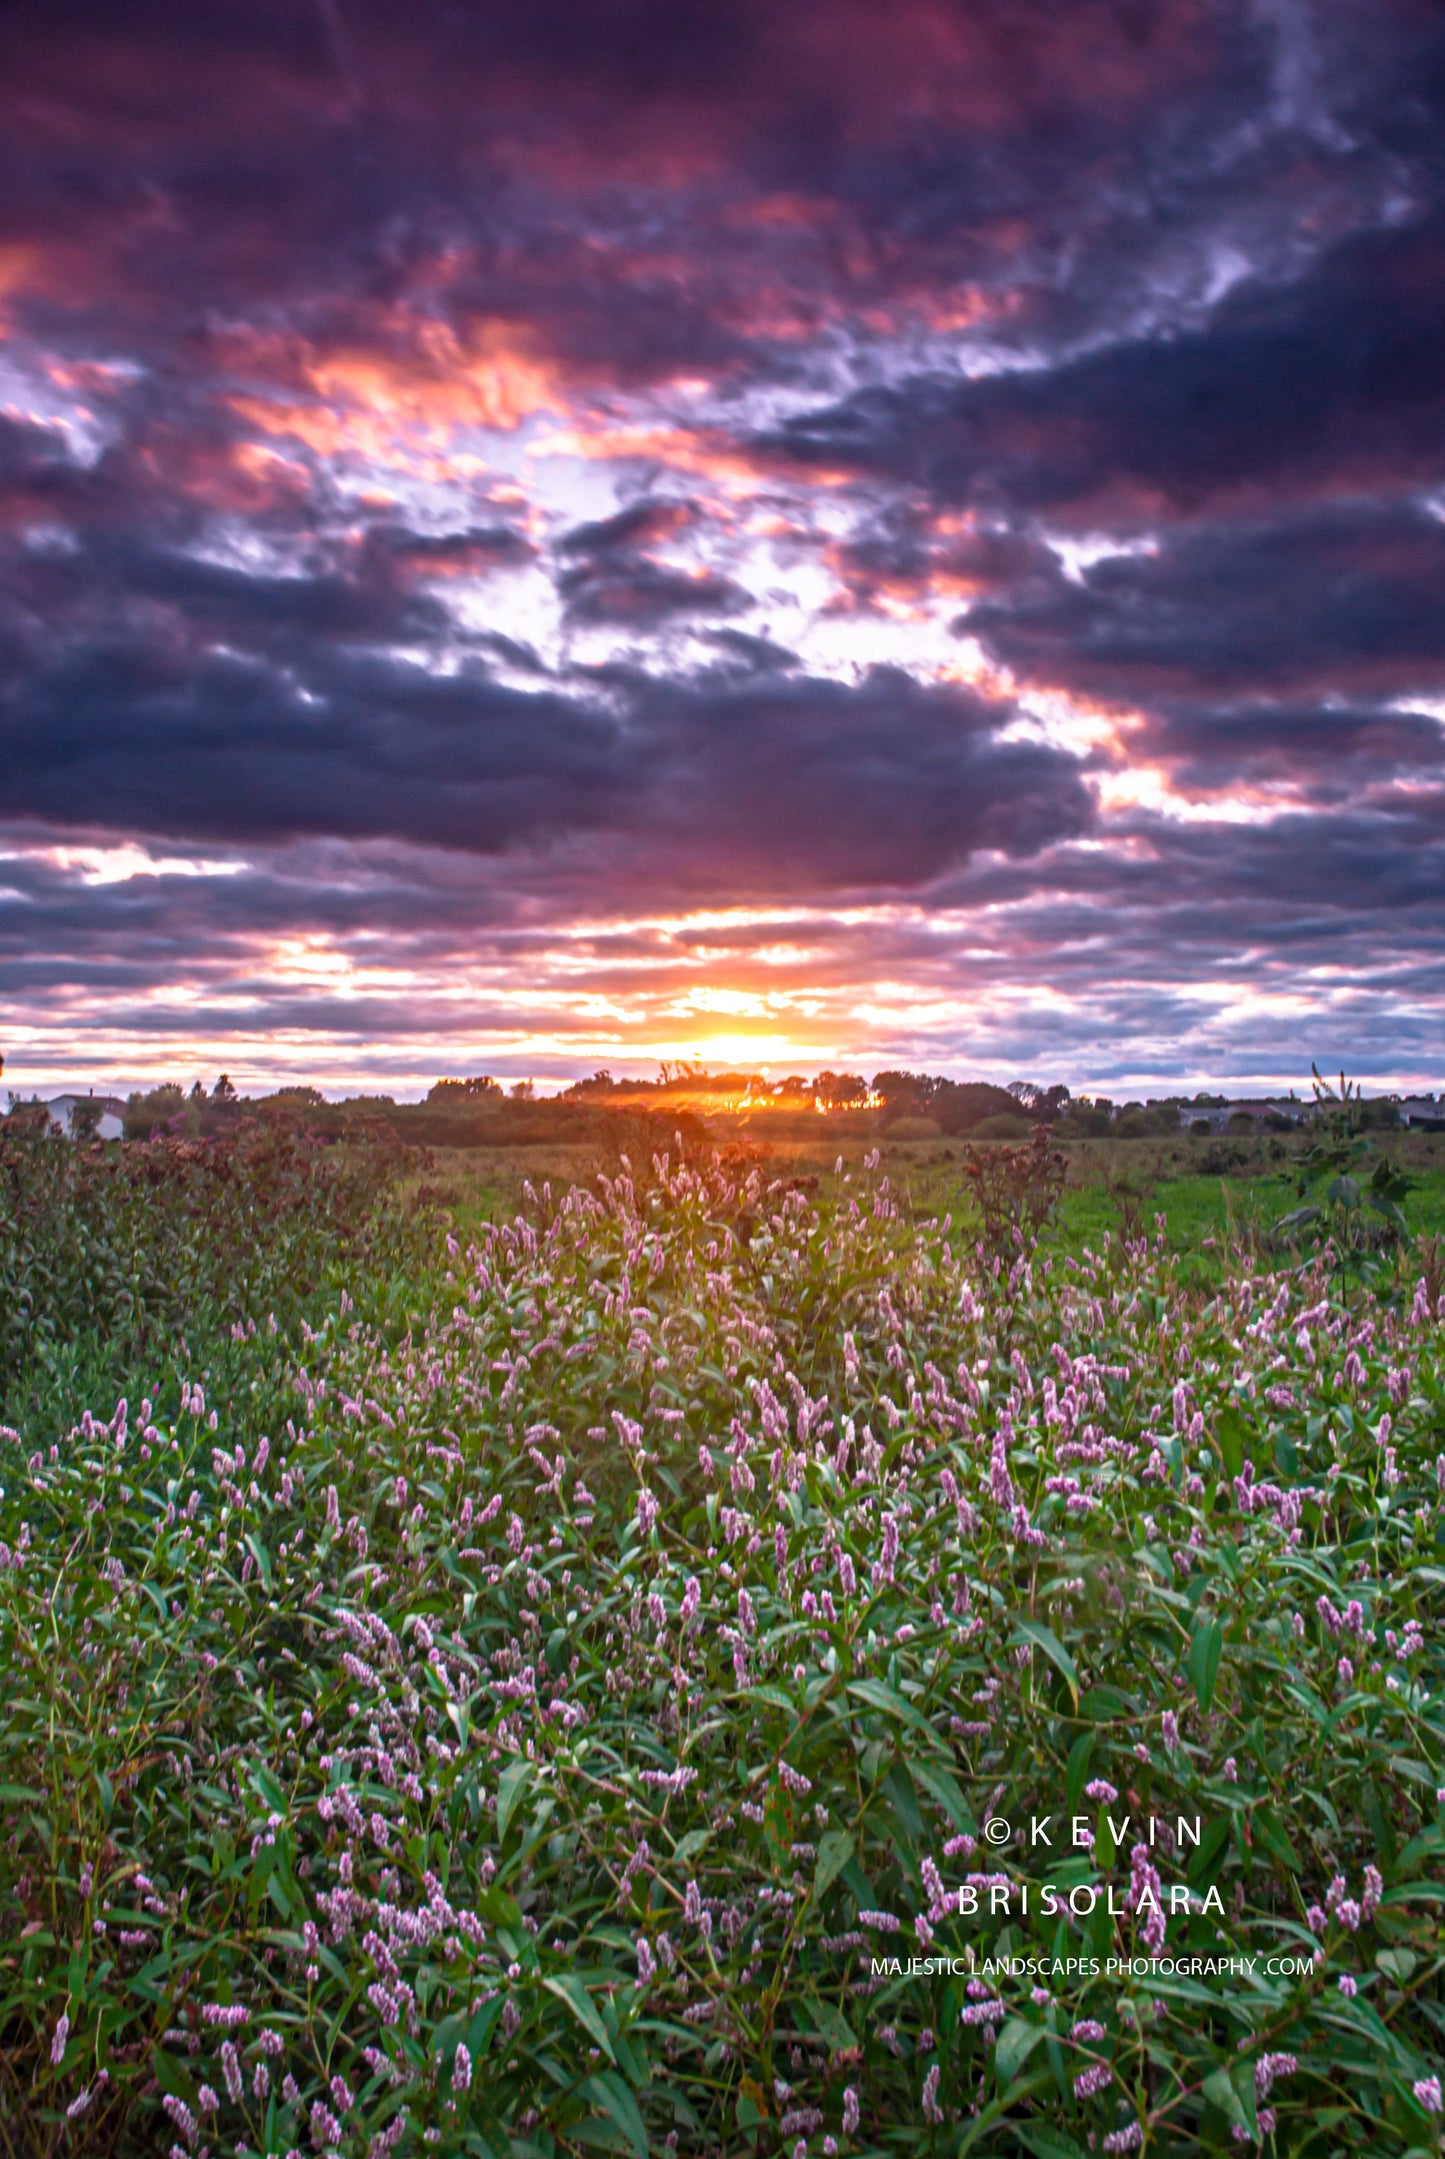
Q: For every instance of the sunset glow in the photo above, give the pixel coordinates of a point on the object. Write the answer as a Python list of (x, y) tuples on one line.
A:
[(517, 555)]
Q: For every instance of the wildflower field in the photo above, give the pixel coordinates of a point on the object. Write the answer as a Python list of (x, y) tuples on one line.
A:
[(713, 1665)]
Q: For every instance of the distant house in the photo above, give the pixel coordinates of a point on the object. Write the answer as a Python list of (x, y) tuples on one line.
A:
[(1424, 1111), (112, 1115)]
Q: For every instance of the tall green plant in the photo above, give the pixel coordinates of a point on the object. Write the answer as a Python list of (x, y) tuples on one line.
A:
[(1357, 1190)]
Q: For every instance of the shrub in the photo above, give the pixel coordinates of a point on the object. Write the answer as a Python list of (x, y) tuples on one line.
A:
[(1017, 1191), (1005, 1127), (126, 1248)]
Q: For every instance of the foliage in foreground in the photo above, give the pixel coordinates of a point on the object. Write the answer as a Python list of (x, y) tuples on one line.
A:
[(108, 1254), (528, 1745)]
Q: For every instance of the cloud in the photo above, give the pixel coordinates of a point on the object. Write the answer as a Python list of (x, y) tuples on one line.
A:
[(1340, 597), (284, 729), (1332, 381), (1327, 753), (492, 487), (640, 593)]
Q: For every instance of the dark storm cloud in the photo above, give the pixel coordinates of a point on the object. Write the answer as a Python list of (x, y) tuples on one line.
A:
[(640, 593), (480, 547), (1342, 597), (180, 696), (803, 782), (1333, 888), (613, 573), (868, 305), (1327, 753), (629, 531), (805, 785), (650, 186), (738, 650), (223, 747), (1334, 379)]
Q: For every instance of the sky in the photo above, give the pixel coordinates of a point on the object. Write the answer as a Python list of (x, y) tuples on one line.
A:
[(537, 538)]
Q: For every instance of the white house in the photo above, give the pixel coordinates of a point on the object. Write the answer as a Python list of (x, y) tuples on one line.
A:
[(111, 1124)]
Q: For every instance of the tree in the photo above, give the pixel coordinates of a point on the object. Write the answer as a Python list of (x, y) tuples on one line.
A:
[(905, 1092), (522, 1091), (450, 1093), (28, 1120), (145, 1113), (85, 1116), (223, 1091), (840, 1089), (963, 1105)]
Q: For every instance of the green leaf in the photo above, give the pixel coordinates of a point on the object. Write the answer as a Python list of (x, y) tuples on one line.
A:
[(945, 1789), (1298, 1218), (877, 1696), (979, 2124), (601, 2133), (612, 2095), (1200, 1860), (1273, 1836), (904, 1804), (1033, 1630), (1102, 1704), (831, 2024), (568, 1988), (834, 1852), (1219, 2090), (1243, 2074), (1048, 2143), (1105, 1846), (511, 1789), (262, 1558), (263, 1783), (1080, 1754), (1229, 1435), (1205, 1651), (1016, 2042)]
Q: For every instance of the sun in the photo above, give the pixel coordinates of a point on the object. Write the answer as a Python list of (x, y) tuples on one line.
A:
[(756, 1051)]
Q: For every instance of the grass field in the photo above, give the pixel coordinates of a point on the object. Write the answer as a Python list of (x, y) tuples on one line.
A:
[(537, 1672), (1245, 1188)]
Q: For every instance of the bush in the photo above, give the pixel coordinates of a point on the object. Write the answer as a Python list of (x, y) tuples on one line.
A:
[(1006, 1127), (530, 1745), (914, 1128), (122, 1250)]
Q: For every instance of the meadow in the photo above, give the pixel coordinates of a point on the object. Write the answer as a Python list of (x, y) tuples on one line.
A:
[(513, 1657)]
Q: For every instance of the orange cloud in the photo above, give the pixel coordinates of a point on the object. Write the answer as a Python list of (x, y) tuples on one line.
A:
[(695, 450), (386, 406)]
